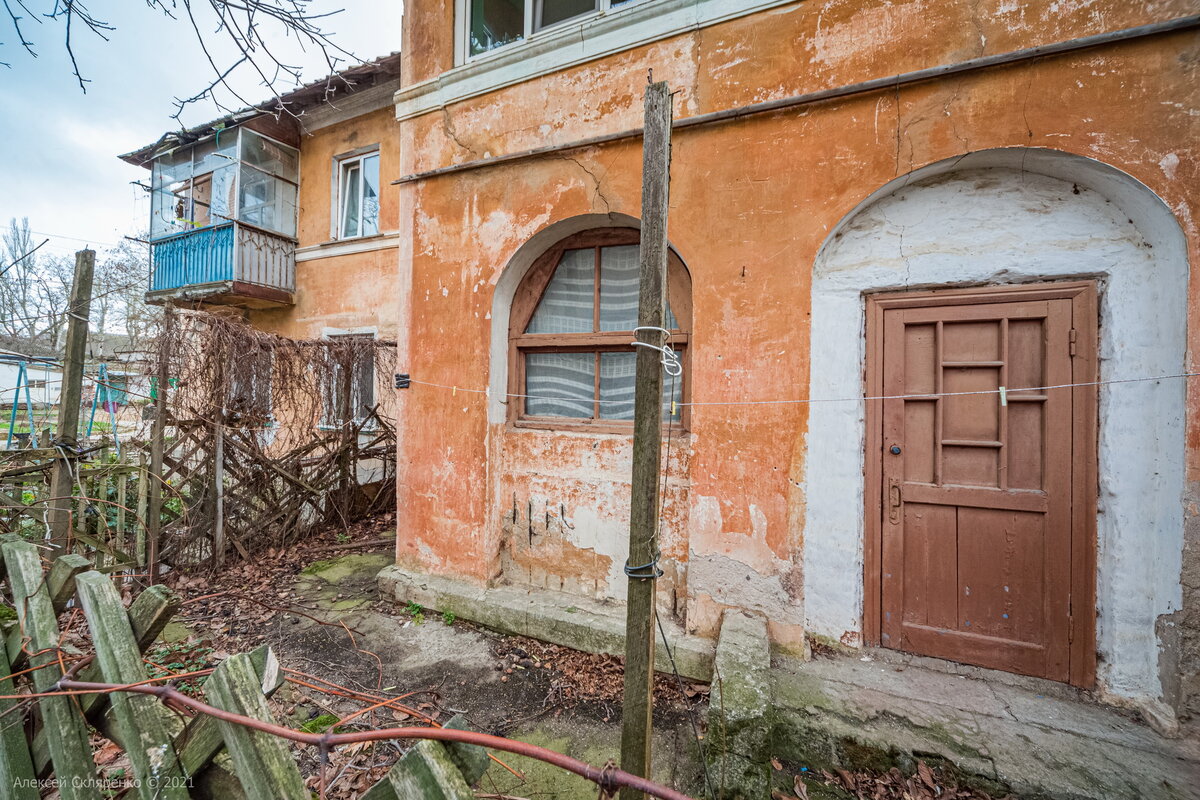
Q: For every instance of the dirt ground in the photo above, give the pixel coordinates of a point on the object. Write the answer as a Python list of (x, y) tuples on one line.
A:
[(316, 604)]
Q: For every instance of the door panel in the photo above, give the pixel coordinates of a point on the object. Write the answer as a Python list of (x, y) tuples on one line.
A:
[(976, 534)]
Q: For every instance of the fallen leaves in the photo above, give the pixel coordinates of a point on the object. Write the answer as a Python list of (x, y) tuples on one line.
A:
[(927, 784), (577, 677)]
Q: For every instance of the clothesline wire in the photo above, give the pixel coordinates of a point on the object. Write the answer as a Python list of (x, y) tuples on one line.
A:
[(1009, 391)]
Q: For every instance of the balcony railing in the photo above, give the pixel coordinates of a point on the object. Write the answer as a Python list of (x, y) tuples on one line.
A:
[(231, 263)]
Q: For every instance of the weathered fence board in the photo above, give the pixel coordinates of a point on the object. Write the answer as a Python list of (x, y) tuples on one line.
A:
[(262, 762), (142, 724), (68, 741), (202, 739), (16, 764), (148, 615)]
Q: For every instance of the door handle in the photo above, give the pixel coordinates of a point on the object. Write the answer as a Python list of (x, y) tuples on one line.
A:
[(895, 501)]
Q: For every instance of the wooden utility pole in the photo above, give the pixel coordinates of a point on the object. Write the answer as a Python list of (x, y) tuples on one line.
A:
[(62, 478), (642, 566), (158, 434)]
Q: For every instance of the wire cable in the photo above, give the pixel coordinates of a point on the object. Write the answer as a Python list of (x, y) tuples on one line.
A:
[(1008, 391)]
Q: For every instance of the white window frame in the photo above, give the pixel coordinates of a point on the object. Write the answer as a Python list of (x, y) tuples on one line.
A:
[(531, 29), (329, 419), (341, 164)]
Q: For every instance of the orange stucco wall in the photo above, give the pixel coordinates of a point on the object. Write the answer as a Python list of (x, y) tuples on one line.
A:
[(751, 203), (352, 291)]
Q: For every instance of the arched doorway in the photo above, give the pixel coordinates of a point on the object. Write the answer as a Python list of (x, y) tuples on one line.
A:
[(999, 219)]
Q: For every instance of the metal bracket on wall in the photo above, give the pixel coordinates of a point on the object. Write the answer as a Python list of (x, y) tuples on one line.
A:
[(402, 380)]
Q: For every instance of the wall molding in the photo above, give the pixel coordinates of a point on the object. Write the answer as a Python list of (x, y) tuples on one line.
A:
[(366, 244), (567, 45)]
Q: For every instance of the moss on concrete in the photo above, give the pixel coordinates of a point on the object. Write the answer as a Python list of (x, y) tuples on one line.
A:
[(740, 709), (338, 570), (594, 742)]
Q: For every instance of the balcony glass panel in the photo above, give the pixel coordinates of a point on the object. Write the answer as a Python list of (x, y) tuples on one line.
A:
[(271, 157), (267, 202), (237, 175)]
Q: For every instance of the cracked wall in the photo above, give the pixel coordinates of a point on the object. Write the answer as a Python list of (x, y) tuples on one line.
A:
[(752, 201)]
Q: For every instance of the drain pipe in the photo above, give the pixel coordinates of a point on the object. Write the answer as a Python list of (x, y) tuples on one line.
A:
[(864, 87)]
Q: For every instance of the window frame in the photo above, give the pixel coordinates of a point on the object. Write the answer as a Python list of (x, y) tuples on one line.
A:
[(530, 27), (529, 295), (330, 418), (341, 164)]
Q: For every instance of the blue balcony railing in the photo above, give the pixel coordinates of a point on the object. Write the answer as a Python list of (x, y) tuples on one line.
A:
[(232, 253), (192, 258)]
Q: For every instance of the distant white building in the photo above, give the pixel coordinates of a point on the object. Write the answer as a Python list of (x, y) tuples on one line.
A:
[(43, 377)]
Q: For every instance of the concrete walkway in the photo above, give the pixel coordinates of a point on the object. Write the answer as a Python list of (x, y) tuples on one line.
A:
[(1039, 738)]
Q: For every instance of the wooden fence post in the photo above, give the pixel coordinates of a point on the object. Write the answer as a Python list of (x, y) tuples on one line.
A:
[(62, 479), (143, 503), (158, 435), (642, 565), (219, 493)]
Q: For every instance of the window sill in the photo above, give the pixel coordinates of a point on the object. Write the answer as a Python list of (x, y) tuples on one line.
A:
[(370, 429), (348, 246), (567, 44), (607, 427)]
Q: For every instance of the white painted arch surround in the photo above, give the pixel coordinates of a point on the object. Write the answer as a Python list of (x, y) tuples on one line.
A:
[(1013, 216)]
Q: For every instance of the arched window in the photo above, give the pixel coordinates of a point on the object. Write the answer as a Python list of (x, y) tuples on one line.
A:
[(572, 321)]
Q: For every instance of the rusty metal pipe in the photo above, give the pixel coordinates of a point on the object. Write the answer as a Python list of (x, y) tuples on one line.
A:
[(606, 778)]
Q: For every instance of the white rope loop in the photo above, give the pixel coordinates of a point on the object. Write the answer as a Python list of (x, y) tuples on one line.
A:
[(670, 359)]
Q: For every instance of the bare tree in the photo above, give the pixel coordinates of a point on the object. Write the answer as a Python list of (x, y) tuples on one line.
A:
[(121, 319), (33, 292), (255, 29)]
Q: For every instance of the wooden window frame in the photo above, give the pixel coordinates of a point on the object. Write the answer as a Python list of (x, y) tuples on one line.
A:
[(529, 295), (1085, 451)]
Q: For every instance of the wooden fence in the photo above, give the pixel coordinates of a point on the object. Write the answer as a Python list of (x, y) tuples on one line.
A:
[(224, 491), (107, 506), (45, 740)]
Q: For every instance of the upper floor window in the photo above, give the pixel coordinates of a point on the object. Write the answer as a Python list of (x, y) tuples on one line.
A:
[(358, 195), (570, 331), (495, 23)]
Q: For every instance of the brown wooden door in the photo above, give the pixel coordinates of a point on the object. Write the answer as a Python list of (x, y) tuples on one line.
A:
[(977, 495)]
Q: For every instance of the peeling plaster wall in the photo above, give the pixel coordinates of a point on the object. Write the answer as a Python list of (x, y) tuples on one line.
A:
[(346, 292), (564, 513), (752, 202), (563, 498), (1014, 223)]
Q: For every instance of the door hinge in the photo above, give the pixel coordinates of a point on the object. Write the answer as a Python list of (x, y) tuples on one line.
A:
[(1073, 338)]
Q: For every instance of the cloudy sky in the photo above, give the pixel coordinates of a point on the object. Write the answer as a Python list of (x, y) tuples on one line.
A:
[(58, 164)]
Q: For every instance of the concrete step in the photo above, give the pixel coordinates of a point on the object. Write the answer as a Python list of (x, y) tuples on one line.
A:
[(1036, 738)]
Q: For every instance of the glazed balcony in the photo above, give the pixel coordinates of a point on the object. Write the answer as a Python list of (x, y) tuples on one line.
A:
[(231, 264), (223, 221)]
